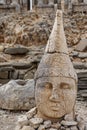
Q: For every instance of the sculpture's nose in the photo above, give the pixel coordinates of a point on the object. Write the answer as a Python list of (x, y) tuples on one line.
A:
[(54, 95)]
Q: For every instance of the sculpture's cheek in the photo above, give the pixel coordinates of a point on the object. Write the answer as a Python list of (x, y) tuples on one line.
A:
[(69, 100)]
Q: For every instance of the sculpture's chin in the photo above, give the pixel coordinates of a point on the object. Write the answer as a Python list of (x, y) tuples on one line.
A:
[(52, 115)]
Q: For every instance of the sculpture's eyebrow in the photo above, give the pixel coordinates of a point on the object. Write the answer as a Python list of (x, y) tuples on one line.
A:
[(65, 83), (41, 84)]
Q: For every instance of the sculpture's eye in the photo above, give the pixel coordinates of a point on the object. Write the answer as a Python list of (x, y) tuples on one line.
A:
[(65, 86), (48, 86)]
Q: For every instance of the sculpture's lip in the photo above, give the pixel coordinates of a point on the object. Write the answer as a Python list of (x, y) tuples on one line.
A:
[(55, 108)]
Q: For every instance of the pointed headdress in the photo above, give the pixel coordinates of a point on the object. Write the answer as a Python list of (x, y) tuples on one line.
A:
[(55, 61)]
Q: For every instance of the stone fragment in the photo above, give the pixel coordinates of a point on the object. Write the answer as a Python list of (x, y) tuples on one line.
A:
[(17, 95), (22, 65), (82, 45), (18, 127), (52, 129), (68, 129), (2, 2), (22, 120), (62, 128), (1, 48), (81, 124), (41, 127), (16, 5), (56, 125), (35, 122), (82, 55), (47, 124), (69, 117), (74, 54), (3, 59), (69, 123), (18, 29), (31, 113), (73, 128), (27, 128)]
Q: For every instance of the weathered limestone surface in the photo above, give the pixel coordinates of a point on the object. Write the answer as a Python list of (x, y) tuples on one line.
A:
[(17, 95), (82, 45)]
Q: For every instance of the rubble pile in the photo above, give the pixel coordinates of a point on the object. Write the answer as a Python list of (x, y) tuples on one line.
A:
[(26, 29), (32, 28), (31, 122), (75, 28)]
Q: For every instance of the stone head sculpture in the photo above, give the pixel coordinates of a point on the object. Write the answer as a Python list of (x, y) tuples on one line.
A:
[(55, 78)]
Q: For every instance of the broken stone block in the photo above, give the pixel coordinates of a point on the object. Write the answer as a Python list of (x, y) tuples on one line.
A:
[(56, 125), (47, 124), (73, 128), (41, 127), (35, 122), (31, 113), (27, 128), (22, 120), (82, 45), (52, 129), (69, 123), (1, 48)]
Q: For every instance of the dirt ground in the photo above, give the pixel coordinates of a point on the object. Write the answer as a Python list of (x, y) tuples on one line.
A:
[(8, 119)]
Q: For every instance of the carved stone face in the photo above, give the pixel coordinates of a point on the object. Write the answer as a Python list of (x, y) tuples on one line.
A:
[(55, 96)]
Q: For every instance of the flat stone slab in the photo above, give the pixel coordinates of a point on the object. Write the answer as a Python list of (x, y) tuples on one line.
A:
[(16, 50), (69, 123), (82, 55), (82, 45), (80, 65), (17, 95), (21, 65)]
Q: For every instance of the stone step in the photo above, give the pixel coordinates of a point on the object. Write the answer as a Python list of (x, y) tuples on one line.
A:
[(82, 75), (82, 87), (82, 82)]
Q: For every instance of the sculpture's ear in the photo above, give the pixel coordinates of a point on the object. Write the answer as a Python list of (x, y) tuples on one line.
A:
[(70, 116)]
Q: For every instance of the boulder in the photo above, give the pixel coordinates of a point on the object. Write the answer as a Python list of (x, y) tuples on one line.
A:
[(17, 95)]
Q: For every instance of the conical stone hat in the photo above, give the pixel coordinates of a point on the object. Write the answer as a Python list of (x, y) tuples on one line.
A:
[(55, 61)]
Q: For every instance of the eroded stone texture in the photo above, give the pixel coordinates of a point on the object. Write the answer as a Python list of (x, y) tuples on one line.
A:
[(17, 95), (55, 79)]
